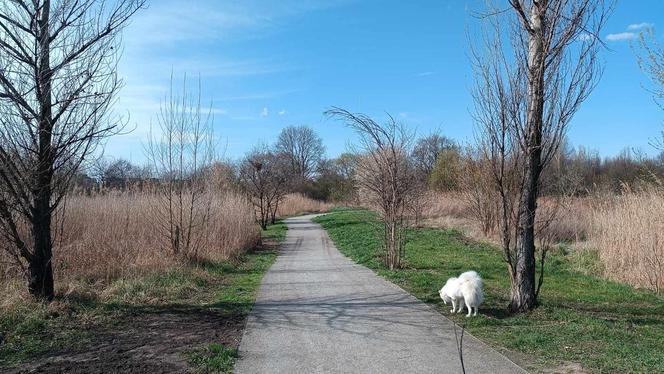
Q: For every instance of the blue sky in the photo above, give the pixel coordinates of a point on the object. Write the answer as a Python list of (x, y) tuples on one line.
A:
[(265, 65)]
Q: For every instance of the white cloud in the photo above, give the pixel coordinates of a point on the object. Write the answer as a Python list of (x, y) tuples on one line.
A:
[(265, 112), (426, 73), (621, 36), (631, 33), (640, 26), (282, 112)]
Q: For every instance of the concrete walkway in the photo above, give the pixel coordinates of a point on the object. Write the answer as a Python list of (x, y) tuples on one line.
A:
[(319, 312)]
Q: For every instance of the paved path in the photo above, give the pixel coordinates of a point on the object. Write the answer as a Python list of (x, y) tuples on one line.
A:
[(319, 312)]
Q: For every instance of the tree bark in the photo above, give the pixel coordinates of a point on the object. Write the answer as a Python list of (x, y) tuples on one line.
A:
[(523, 295), (273, 214), (40, 270)]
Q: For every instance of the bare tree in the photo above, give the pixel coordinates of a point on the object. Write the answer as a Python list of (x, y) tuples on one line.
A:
[(119, 172), (265, 176), (57, 81), (304, 149), (181, 153), (524, 103), (651, 60), (480, 190), (384, 175), (427, 150)]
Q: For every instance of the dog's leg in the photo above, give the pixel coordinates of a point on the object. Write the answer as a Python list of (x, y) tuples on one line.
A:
[(453, 306), (470, 309), (476, 308)]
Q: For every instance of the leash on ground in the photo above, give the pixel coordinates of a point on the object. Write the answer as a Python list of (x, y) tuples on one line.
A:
[(459, 344)]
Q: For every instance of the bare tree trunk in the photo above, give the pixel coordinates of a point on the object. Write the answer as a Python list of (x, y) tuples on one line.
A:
[(273, 218), (523, 295), (523, 289), (40, 271)]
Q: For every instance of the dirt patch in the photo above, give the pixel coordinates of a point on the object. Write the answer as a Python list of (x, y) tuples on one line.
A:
[(531, 364), (566, 368), (146, 342)]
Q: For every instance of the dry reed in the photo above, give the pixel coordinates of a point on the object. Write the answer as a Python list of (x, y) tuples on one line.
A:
[(106, 236), (568, 220), (626, 230), (295, 204), (629, 235)]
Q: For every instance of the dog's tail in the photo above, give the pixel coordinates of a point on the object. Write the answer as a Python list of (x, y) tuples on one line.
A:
[(471, 285)]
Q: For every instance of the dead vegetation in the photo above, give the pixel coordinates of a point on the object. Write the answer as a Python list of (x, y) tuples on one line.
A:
[(105, 236), (296, 203), (624, 230)]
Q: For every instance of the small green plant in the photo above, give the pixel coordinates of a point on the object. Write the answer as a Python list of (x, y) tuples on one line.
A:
[(275, 232), (215, 358)]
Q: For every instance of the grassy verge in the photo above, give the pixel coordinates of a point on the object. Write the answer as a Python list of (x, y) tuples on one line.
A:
[(215, 358), (603, 325), (275, 233), (29, 330)]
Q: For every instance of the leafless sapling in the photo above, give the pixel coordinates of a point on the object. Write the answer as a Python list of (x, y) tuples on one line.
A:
[(385, 175), (181, 150)]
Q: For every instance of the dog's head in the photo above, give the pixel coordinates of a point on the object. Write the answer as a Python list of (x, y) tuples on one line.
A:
[(444, 296), (445, 291)]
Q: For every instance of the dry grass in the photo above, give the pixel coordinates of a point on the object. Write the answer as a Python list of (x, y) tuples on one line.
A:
[(568, 220), (114, 235), (296, 204), (629, 234), (617, 236)]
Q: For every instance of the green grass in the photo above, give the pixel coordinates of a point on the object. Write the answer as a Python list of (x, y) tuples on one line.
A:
[(29, 329), (276, 232), (605, 326), (215, 358)]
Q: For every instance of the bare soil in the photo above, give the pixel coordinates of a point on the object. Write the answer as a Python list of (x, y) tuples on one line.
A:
[(150, 341)]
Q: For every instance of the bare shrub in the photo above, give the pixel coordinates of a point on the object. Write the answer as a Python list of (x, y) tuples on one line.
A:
[(571, 223), (628, 231), (180, 153), (483, 199), (265, 177), (385, 176)]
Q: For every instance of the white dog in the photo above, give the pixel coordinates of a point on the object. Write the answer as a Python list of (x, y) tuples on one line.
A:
[(467, 287)]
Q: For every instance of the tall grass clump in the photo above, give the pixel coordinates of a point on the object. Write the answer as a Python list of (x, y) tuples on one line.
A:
[(113, 234), (296, 203), (564, 219), (629, 235)]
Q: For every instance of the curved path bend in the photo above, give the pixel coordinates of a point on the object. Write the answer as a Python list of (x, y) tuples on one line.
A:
[(319, 312)]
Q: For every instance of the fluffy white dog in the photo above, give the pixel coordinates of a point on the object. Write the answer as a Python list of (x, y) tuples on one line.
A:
[(468, 288)]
